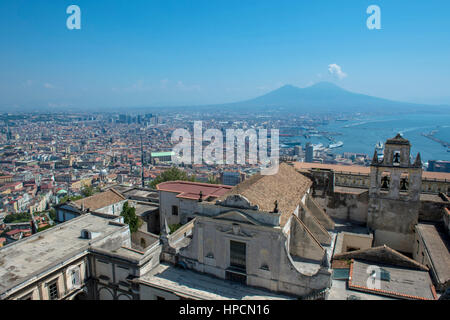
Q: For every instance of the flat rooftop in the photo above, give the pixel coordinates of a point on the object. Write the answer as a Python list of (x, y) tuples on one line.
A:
[(404, 283), (163, 154), (438, 246), (431, 197), (350, 190), (32, 256), (339, 291), (201, 286), (354, 169), (142, 208), (152, 194), (191, 190)]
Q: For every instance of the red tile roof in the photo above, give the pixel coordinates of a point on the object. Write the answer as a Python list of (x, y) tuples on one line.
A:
[(13, 232), (191, 190)]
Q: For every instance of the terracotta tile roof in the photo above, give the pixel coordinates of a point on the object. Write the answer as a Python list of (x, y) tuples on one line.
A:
[(429, 175), (340, 264), (287, 187), (191, 190), (100, 200), (381, 254), (13, 232)]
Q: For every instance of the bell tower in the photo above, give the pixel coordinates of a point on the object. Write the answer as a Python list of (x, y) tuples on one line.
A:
[(394, 195)]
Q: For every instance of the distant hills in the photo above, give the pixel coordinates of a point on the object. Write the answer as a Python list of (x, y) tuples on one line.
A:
[(319, 98), (327, 97)]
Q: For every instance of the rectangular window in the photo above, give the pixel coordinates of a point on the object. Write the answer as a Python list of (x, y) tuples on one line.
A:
[(53, 291), (238, 254), (174, 210)]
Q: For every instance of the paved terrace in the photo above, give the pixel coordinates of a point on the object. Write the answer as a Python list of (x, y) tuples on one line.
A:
[(437, 244), (404, 283), (38, 254), (360, 170), (200, 286)]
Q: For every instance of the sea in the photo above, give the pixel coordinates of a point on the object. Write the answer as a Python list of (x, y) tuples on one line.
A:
[(360, 135)]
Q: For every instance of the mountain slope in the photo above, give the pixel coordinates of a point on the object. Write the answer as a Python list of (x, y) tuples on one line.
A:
[(324, 97)]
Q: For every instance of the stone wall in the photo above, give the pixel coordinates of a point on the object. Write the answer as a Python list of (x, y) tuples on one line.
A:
[(349, 206), (433, 211)]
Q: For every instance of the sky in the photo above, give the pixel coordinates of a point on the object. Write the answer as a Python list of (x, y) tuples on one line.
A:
[(188, 52)]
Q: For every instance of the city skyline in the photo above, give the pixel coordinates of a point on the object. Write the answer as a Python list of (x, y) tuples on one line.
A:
[(195, 53), (238, 151)]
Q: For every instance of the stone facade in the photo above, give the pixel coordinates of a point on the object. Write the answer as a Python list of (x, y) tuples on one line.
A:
[(394, 196), (286, 259)]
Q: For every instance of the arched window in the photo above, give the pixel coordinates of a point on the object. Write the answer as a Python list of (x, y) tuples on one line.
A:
[(404, 182), (385, 181), (396, 158)]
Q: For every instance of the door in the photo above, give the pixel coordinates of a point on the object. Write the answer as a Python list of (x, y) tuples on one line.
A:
[(238, 255)]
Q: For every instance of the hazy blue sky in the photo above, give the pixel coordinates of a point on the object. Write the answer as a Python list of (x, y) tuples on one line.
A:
[(146, 53)]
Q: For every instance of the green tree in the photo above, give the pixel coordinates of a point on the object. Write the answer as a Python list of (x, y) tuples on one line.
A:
[(174, 227), (17, 217), (213, 180), (52, 214), (67, 198), (130, 217), (171, 175), (44, 228), (87, 191)]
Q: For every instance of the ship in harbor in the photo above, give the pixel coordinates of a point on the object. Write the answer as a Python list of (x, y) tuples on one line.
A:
[(336, 145), (379, 146)]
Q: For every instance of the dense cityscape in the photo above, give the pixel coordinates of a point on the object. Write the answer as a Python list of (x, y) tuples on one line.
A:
[(120, 182)]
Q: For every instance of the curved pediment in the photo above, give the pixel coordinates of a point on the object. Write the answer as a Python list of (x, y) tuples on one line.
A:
[(237, 201), (237, 216)]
